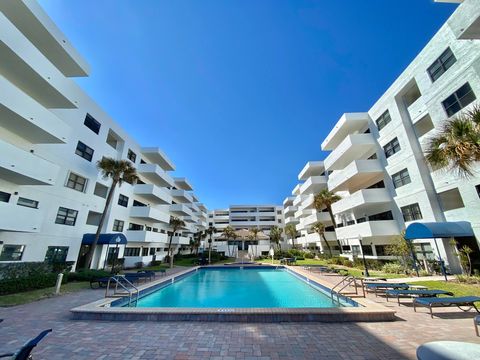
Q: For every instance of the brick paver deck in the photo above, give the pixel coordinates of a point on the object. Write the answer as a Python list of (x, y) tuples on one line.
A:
[(181, 340)]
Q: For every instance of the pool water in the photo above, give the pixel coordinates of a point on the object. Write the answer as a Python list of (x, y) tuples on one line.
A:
[(239, 288)]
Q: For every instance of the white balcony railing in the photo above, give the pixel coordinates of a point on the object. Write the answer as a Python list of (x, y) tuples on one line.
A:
[(19, 218), (362, 198), (153, 193), (355, 174), (354, 147), (155, 174), (150, 214), (146, 236), (417, 110), (369, 229)]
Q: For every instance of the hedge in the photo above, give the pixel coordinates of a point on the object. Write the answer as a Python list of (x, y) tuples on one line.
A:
[(32, 282)]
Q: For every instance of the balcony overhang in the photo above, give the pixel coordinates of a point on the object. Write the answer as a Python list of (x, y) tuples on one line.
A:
[(157, 156), (288, 201), (296, 190), (349, 123), (183, 184), (36, 25), (356, 175), (433, 230), (353, 147), (149, 214), (362, 199), (155, 174), (153, 193), (313, 185), (311, 168)]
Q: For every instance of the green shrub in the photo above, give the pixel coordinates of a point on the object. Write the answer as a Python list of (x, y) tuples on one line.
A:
[(468, 279), (424, 273), (21, 284), (87, 275), (309, 255), (23, 269), (392, 268)]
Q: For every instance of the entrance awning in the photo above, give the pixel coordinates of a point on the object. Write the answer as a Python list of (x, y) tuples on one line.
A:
[(104, 239), (433, 230)]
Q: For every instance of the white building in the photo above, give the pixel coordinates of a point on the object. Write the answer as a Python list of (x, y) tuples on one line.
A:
[(51, 136), (376, 162), (239, 217)]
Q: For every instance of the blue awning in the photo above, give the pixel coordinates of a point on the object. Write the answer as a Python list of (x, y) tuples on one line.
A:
[(104, 239), (433, 230)]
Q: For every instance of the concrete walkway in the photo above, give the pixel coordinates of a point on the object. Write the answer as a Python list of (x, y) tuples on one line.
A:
[(181, 340)]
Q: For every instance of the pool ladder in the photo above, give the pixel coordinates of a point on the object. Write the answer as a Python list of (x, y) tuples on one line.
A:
[(347, 281), (124, 284)]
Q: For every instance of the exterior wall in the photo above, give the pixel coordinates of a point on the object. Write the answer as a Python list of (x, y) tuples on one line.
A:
[(40, 124)]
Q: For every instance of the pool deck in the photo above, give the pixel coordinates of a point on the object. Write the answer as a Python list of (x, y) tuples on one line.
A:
[(105, 309), (83, 339)]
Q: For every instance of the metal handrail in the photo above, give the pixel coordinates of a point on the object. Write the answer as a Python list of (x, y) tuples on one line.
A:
[(346, 282), (118, 281)]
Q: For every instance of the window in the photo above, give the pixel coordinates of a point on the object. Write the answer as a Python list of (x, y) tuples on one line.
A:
[(442, 64), (4, 197), (84, 151), (93, 218), (152, 251), (131, 155), (383, 120), (100, 190), (118, 225), (123, 200), (392, 147), (401, 178), (367, 250), (92, 124), (27, 203), (76, 182), (411, 212), (12, 252), (56, 254), (66, 216), (458, 100), (451, 199), (131, 252), (138, 203), (381, 250), (145, 252), (133, 226)]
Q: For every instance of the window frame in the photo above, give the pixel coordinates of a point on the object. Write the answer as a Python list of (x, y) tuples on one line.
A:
[(391, 146), (402, 178), (53, 260), (75, 182), (458, 100), (410, 211), (91, 123), (5, 197), (440, 66), (118, 225), (381, 122), (83, 150), (34, 203), (131, 155), (121, 200), (22, 251), (68, 215)]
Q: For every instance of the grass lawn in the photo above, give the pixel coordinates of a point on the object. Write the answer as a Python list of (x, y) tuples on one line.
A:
[(458, 289), (34, 295)]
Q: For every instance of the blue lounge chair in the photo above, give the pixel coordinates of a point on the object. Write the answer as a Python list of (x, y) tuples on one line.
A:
[(431, 302), (415, 292), (476, 322), (24, 352), (375, 286)]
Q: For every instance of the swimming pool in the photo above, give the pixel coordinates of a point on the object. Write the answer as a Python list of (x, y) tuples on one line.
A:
[(240, 288)]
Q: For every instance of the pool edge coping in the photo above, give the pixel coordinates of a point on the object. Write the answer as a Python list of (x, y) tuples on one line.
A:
[(101, 309)]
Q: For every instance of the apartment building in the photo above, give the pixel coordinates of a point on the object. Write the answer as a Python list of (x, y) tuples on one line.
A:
[(51, 136), (376, 161), (313, 179), (246, 217)]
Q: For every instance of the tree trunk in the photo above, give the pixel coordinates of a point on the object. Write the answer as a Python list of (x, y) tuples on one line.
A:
[(169, 250), (210, 251), (326, 242), (330, 212), (88, 260)]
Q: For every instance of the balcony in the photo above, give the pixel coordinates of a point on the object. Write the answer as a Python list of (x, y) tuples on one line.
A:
[(313, 185), (25, 168), (312, 168), (307, 203), (146, 236), (25, 117), (180, 240), (153, 193), (19, 218), (417, 110), (323, 217), (353, 147), (183, 184), (29, 70), (349, 123), (180, 210), (155, 174), (190, 219), (291, 220), (298, 200), (296, 191), (369, 229), (181, 196), (358, 174), (148, 213), (31, 20), (465, 24), (157, 156), (289, 210), (362, 199)]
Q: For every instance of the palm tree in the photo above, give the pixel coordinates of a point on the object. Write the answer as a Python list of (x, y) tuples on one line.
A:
[(175, 224), (276, 236), (319, 228), (119, 171), (291, 231), (210, 231), (229, 233), (324, 200), (254, 231), (456, 147)]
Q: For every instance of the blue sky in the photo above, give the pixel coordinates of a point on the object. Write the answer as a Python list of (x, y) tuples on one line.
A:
[(240, 93)]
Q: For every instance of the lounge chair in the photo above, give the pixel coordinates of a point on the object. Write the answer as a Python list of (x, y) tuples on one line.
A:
[(101, 282), (431, 302), (375, 286), (24, 352), (415, 292)]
